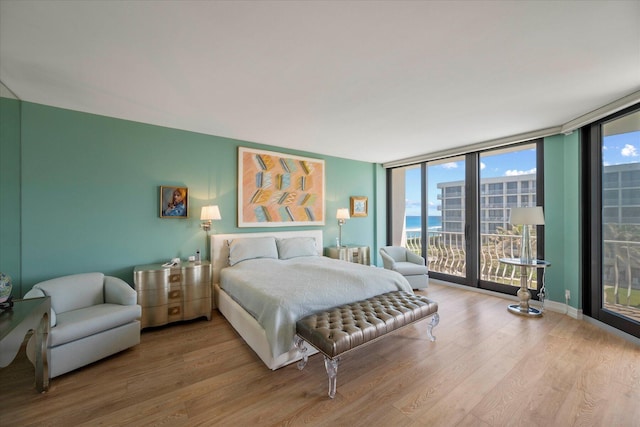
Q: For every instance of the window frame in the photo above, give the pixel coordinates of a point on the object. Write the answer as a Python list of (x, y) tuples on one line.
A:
[(474, 200), (593, 192)]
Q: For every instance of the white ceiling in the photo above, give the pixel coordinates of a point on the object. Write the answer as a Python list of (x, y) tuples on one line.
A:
[(372, 81)]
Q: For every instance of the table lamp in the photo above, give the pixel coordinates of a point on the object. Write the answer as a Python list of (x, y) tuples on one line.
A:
[(526, 217)]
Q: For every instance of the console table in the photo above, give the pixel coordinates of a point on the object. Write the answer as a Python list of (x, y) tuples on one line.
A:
[(25, 315), (352, 253), (523, 307), (171, 294)]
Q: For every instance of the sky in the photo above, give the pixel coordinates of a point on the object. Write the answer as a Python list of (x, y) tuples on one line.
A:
[(617, 149), (621, 149)]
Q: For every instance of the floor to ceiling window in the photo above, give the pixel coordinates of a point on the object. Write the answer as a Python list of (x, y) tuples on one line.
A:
[(613, 220), (508, 179), (405, 208), (446, 201), (456, 211)]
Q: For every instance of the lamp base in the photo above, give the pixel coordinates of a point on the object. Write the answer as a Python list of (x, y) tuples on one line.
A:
[(531, 312)]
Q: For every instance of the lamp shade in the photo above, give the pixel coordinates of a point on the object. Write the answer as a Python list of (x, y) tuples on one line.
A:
[(343, 213), (210, 213), (530, 216)]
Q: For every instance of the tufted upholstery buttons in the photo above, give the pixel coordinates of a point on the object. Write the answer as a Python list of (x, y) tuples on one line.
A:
[(343, 328)]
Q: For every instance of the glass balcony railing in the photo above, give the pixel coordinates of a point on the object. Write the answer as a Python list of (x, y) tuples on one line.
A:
[(621, 277)]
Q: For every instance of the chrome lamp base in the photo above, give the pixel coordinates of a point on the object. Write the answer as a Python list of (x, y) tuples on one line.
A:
[(523, 308), (530, 311)]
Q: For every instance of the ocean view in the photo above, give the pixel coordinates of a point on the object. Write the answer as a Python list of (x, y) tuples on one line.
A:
[(433, 222)]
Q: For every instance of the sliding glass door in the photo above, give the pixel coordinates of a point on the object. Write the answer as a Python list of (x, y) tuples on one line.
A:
[(508, 179), (613, 222), (456, 211), (446, 201)]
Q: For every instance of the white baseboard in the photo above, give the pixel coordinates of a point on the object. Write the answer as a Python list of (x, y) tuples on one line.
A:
[(559, 307), (554, 306)]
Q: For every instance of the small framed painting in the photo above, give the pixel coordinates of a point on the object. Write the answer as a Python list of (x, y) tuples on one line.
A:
[(174, 202), (359, 206)]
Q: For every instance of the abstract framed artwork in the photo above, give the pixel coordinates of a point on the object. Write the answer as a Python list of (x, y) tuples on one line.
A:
[(359, 206), (174, 202), (277, 190)]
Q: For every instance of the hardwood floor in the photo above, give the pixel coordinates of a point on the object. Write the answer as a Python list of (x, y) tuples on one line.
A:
[(488, 367)]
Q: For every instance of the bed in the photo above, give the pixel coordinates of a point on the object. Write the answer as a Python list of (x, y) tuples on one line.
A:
[(263, 291)]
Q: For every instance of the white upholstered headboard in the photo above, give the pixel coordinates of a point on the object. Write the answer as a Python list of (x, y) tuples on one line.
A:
[(220, 249)]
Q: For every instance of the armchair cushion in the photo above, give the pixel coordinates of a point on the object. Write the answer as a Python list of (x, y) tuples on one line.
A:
[(410, 269), (83, 322)]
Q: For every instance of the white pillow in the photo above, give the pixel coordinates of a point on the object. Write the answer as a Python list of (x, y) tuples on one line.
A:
[(252, 247), (296, 247)]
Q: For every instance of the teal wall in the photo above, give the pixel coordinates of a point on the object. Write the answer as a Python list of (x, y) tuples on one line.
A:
[(10, 191), (79, 193), (563, 204), (89, 192)]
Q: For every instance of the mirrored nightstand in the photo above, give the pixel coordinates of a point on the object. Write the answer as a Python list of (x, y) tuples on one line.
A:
[(353, 253)]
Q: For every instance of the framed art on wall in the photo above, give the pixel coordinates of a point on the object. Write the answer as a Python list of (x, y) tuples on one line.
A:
[(276, 190), (174, 202), (359, 206)]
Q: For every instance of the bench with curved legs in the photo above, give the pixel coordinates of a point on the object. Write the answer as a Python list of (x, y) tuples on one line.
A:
[(336, 331)]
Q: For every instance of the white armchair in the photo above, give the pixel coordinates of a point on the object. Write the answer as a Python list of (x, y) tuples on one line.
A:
[(92, 316), (407, 263)]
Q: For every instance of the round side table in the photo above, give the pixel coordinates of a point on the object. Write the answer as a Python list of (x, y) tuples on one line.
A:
[(523, 307)]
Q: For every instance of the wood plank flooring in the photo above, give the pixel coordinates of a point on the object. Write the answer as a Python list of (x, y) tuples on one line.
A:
[(488, 367)]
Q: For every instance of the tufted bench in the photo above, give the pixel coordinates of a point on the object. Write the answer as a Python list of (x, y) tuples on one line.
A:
[(341, 329)]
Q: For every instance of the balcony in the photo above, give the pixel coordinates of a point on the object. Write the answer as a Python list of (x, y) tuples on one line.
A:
[(499, 192), (621, 264), (446, 254)]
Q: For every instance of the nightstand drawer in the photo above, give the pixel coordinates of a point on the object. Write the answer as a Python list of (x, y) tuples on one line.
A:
[(174, 312), (196, 308), (152, 316), (151, 279), (153, 298), (194, 292), (175, 294)]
